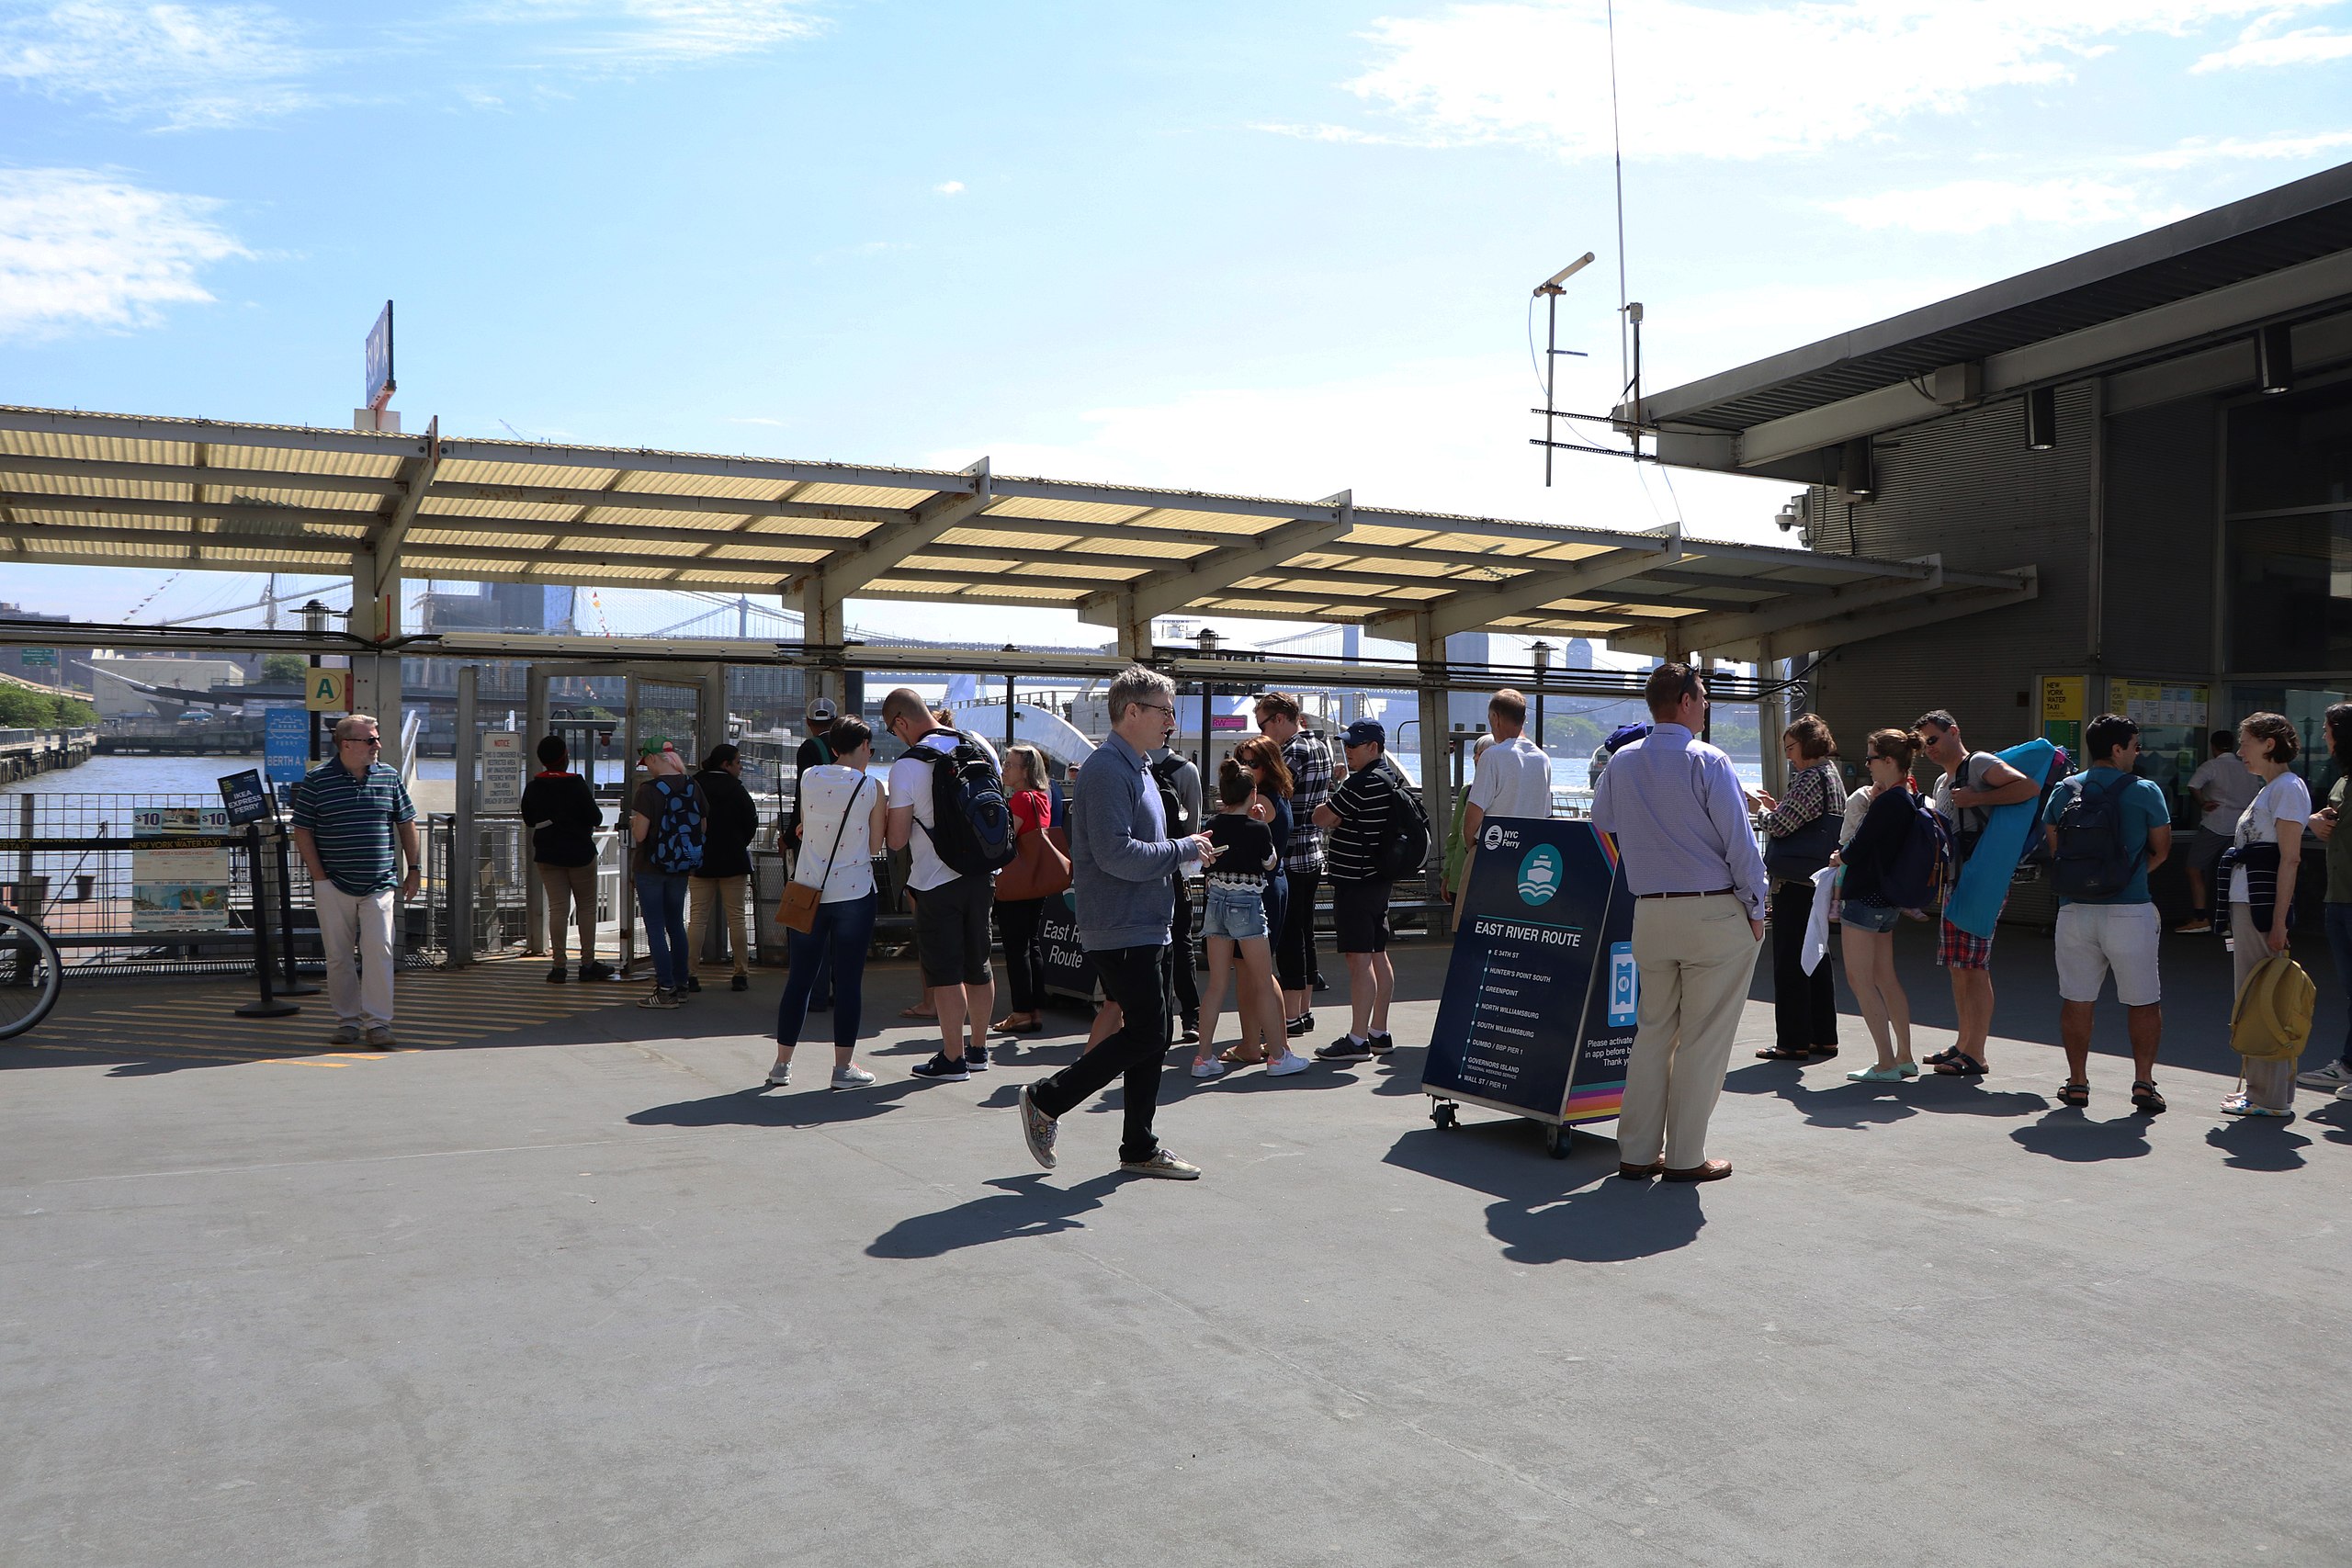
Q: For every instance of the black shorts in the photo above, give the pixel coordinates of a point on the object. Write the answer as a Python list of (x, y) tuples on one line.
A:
[(1360, 916), (952, 931)]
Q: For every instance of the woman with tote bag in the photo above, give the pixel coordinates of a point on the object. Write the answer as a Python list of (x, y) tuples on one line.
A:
[(1038, 871), (842, 813)]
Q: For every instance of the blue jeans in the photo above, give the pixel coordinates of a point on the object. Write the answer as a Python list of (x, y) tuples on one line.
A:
[(662, 898), (841, 935), (2338, 917)]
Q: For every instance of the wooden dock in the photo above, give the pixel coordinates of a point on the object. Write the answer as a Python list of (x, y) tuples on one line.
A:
[(24, 752)]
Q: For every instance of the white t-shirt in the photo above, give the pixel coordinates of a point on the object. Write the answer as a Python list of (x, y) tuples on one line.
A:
[(1514, 780), (2233, 788), (824, 793), (2284, 799), (910, 786)]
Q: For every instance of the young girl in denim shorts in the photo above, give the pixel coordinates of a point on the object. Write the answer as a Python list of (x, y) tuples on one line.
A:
[(1234, 920)]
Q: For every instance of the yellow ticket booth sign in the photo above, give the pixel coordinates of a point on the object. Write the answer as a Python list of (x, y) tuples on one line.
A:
[(327, 690), (2063, 699)]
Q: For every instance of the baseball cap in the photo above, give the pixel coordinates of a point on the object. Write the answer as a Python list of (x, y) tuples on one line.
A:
[(652, 743), (822, 711), (1365, 732)]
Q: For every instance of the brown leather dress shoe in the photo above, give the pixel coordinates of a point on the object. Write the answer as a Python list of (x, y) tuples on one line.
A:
[(1640, 1173), (1713, 1170)]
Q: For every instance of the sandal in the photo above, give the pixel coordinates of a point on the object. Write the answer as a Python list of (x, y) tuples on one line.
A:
[(1939, 1058), (1236, 1056), (2146, 1097), (1960, 1066), (1785, 1053), (918, 1009), (2077, 1093)]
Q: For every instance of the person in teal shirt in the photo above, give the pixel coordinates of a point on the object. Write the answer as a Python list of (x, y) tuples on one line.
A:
[(2120, 931)]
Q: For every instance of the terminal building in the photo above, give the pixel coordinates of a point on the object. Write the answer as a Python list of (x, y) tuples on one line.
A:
[(2161, 429)]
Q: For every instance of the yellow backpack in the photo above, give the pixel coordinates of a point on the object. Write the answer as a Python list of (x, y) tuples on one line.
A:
[(2273, 1016)]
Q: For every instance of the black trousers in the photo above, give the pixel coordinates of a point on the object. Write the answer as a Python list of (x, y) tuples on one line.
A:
[(1025, 963), (1295, 946), (1131, 977), (1804, 1007), (1183, 983)]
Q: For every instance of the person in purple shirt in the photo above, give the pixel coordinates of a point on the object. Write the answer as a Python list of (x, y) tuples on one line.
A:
[(1679, 817)]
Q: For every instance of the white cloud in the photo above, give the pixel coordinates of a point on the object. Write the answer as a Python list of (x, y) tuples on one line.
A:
[(1714, 80), (2306, 46), (184, 66), (645, 34), (80, 248), (1971, 207), (2200, 150), (949, 187)]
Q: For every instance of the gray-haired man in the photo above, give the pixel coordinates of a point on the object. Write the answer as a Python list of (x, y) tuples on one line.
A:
[(353, 823), (1122, 869)]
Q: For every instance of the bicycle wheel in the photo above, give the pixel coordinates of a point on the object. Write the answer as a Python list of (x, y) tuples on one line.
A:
[(29, 975)]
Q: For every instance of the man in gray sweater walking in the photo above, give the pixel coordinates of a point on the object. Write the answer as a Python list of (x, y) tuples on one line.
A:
[(1122, 869)]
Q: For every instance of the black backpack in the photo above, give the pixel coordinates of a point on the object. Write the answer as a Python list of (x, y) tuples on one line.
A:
[(1181, 823), (971, 823), (1920, 866), (2091, 862), (674, 843), (1405, 849)]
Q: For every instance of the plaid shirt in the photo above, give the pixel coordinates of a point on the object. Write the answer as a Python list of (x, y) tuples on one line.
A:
[(1813, 792), (1308, 757)]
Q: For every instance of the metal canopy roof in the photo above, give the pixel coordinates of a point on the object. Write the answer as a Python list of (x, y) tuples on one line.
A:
[(2282, 254), (96, 489)]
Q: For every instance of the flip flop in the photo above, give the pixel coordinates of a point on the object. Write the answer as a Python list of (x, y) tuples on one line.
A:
[(1967, 1066), (915, 1009), (1232, 1055)]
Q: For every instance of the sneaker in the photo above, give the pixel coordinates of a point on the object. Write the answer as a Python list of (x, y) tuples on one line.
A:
[(943, 1069), (2333, 1076), (596, 971), (1346, 1048), (1289, 1061), (556, 976), (1189, 1035), (380, 1039), (780, 1075), (1321, 984), (1039, 1130), (1879, 1075), (2344, 1093), (1381, 1043), (851, 1076), (346, 1034), (692, 984), (1301, 1023), (1163, 1164), (1207, 1067), (2194, 928), (2243, 1105), (658, 997), (976, 1057), (741, 982)]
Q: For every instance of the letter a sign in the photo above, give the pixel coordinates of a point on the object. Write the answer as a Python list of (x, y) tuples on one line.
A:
[(327, 690)]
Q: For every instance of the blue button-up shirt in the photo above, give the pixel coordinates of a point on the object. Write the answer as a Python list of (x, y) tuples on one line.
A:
[(1680, 819)]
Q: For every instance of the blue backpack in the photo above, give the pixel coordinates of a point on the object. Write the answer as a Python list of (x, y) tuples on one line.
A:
[(1918, 875), (673, 844)]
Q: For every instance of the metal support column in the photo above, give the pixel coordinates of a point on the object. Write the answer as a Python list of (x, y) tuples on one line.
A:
[(535, 937), (628, 939), (1771, 717), (462, 848), (710, 713), (1437, 793)]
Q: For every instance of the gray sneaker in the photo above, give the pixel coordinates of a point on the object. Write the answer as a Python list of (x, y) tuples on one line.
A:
[(2332, 1076), (779, 1074), (851, 1076), (346, 1034), (1039, 1129), (658, 997), (1164, 1165), (380, 1039)]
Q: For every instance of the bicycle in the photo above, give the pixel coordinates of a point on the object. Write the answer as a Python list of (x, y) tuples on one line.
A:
[(31, 973)]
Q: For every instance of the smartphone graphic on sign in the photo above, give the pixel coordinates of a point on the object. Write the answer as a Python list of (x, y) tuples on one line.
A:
[(1624, 986)]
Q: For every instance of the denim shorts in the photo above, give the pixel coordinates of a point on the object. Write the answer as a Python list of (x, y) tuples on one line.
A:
[(1238, 913), (1863, 917)]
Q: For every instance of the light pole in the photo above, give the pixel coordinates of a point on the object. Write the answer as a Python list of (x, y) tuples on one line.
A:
[(314, 625), (1541, 651), (1208, 641)]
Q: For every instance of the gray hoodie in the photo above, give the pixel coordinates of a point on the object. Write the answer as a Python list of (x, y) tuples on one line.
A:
[(1121, 859)]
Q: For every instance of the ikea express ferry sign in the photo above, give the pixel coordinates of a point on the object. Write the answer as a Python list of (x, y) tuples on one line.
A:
[(1540, 998)]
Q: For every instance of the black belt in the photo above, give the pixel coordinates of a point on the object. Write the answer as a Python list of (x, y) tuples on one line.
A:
[(1710, 893)]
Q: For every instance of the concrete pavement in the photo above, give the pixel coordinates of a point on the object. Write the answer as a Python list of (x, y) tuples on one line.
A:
[(563, 1287)]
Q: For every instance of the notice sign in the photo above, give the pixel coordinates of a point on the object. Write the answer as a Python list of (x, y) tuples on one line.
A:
[(285, 744), (178, 889), (327, 690), (501, 772), (1068, 970), (1540, 998), (246, 799)]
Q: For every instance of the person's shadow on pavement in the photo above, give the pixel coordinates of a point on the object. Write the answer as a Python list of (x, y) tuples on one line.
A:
[(1853, 1106), (1551, 1211), (2067, 1135), (1026, 1207), (2259, 1143), (794, 1107)]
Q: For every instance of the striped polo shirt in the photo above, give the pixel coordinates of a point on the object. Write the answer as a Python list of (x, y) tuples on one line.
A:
[(351, 821)]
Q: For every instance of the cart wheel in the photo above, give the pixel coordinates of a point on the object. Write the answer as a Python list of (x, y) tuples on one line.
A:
[(1556, 1141), (1442, 1113)]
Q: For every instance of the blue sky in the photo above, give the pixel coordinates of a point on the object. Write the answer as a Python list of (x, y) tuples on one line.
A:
[(1281, 250)]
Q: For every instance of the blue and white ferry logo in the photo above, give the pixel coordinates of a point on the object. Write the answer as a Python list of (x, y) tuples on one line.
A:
[(1539, 875)]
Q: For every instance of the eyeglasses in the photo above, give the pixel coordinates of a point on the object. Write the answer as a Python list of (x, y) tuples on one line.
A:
[(1159, 707), (363, 741)]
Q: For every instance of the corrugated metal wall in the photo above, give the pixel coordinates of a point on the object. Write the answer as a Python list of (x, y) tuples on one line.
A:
[(2162, 467)]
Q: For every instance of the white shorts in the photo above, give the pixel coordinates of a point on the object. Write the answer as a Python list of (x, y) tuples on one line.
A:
[(2094, 938)]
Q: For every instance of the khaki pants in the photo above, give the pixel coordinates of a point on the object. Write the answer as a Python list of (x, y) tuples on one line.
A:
[(1695, 957), (356, 929), (2269, 1084), (718, 899), (574, 886)]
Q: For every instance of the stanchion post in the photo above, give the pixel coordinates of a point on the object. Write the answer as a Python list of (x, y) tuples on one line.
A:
[(295, 984), (268, 1006)]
